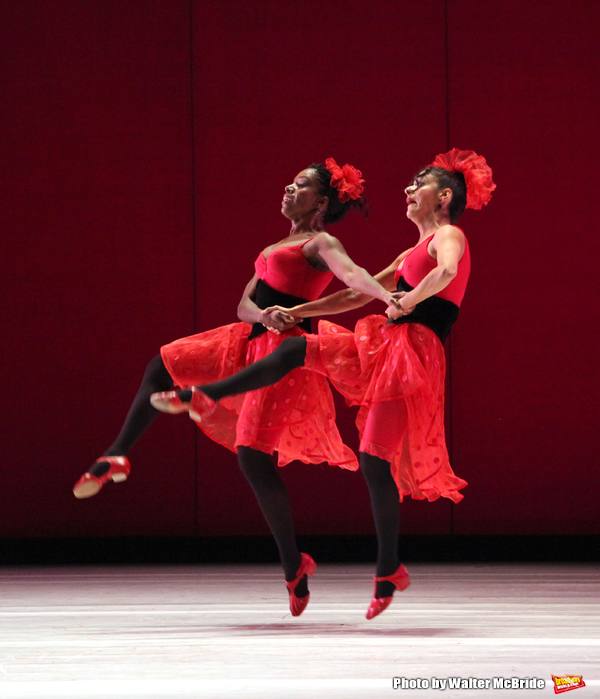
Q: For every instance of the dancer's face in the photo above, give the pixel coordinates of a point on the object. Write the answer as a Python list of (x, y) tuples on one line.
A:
[(302, 197), (422, 196)]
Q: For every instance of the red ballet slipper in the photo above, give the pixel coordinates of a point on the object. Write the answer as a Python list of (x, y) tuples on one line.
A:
[(298, 604), (169, 402), (89, 484), (201, 406), (400, 580)]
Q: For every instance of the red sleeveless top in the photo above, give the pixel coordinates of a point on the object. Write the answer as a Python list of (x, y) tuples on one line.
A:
[(418, 263), (287, 270)]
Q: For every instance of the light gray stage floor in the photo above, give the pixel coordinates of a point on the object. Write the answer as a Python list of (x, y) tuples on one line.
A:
[(226, 631)]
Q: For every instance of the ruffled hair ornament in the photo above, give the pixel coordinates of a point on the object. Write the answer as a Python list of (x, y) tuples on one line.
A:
[(477, 174), (347, 180)]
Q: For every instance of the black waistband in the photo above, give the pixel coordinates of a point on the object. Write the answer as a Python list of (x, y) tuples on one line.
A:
[(266, 296), (435, 313)]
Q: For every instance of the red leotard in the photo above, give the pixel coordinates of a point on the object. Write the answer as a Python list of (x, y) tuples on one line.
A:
[(396, 373), (418, 263), (296, 416), (287, 270)]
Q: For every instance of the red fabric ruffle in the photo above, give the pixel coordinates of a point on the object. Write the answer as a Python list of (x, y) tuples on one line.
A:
[(477, 173), (347, 180), (381, 362), (295, 417)]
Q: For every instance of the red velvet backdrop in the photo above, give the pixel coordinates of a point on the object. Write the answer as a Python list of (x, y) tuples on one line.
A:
[(146, 144)]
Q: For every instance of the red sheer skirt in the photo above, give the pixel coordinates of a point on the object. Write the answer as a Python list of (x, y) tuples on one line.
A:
[(295, 417), (396, 374)]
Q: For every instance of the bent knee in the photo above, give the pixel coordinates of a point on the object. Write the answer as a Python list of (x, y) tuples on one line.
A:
[(157, 374)]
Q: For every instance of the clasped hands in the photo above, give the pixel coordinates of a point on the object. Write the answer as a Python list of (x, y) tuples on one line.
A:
[(278, 319), (395, 309)]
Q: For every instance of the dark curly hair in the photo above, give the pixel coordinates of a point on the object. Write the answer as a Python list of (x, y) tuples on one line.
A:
[(455, 182), (336, 210)]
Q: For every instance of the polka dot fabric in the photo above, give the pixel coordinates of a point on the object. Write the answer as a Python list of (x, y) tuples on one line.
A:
[(295, 417), (378, 363)]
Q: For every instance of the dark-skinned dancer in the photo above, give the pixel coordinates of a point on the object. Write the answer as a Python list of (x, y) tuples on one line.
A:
[(295, 418), (393, 368)]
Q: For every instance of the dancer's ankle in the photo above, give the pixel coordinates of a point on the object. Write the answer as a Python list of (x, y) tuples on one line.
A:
[(302, 587), (210, 391), (99, 467), (385, 588), (185, 395), (291, 571)]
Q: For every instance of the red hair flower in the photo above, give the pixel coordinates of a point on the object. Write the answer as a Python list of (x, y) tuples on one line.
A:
[(347, 180), (477, 173)]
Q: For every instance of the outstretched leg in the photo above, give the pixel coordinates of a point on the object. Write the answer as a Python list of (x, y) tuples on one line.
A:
[(272, 496), (140, 416), (290, 355)]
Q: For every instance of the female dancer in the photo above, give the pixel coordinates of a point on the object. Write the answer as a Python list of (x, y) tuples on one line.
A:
[(295, 418), (394, 370)]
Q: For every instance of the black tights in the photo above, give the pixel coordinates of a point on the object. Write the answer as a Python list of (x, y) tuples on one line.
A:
[(290, 355), (270, 490), (141, 414), (258, 467), (386, 513), (272, 496)]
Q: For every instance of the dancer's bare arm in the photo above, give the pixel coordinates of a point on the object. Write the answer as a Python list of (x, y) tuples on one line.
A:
[(448, 246), (250, 313), (346, 299), (329, 251)]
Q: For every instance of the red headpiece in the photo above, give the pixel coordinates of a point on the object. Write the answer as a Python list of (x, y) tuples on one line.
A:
[(478, 174), (347, 180)]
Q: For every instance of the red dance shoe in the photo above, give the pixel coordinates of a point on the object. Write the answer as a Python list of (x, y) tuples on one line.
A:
[(89, 484), (400, 579), (169, 402), (202, 406), (307, 567)]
